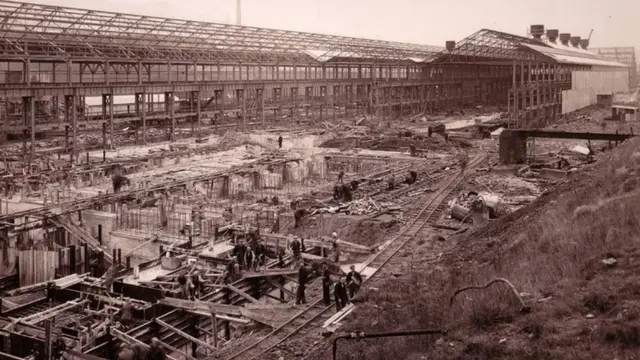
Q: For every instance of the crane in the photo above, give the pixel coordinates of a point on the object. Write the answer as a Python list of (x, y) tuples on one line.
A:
[(590, 33)]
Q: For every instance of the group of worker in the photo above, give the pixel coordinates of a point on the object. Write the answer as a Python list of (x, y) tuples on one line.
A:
[(139, 351), (191, 285), (247, 257), (344, 287)]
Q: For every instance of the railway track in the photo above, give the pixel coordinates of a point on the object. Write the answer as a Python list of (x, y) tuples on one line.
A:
[(314, 315)]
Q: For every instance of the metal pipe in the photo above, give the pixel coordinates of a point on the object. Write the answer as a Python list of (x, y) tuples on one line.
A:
[(358, 335)]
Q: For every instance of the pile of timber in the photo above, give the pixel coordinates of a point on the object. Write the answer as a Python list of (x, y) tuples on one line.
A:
[(323, 243), (359, 207), (62, 283)]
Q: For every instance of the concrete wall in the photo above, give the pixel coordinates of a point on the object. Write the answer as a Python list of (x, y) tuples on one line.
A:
[(586, 85)]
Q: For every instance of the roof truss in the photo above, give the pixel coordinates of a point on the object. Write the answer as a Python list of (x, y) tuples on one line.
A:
[(46, 30)]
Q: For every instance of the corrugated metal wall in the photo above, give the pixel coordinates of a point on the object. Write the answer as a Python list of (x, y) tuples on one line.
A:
[(586, 85)]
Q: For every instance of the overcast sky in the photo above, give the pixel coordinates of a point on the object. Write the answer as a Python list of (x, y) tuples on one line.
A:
[(432, 22)]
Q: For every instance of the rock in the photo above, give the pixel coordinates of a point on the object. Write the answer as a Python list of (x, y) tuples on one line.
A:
[(609, 262), (502, 341), (437, 237), (440, 341), (590, 316)]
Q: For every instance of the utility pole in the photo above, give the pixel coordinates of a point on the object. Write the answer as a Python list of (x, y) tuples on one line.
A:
[(238, 12)]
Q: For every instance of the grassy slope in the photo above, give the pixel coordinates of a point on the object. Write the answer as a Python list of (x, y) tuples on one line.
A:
[(551, 251)]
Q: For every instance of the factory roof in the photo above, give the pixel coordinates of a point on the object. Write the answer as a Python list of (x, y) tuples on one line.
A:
[(567, 55), (54, 32), (495, 46)]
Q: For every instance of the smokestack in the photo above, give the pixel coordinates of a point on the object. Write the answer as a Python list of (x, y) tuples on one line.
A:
[(537, 31), (584, 43), (238, 12), (575, 41), (552, 35), (564, 38), (450, 45)]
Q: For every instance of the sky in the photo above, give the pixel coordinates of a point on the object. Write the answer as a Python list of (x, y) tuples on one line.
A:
[(431, 22)]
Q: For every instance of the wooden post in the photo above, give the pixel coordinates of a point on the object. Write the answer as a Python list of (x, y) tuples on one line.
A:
[(214, 329), (47, 340), (100, 234), (72, 259), (227, 300), (87, 258), (119, 256)]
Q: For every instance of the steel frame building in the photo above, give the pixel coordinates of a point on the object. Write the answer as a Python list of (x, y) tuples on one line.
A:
[(56, 55)]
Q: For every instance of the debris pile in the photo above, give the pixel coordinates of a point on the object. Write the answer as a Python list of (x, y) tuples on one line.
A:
[(360, 207)]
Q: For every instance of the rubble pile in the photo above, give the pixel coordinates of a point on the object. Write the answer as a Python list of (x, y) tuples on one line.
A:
[(360, 207)]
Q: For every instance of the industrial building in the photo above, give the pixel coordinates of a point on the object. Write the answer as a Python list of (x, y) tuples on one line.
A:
[(54, 58)]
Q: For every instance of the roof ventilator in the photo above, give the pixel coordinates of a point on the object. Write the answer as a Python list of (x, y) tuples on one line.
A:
[(537, 31), (575, 41), (552, 35)]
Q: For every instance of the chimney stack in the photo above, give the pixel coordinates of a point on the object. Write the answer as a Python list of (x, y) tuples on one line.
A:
[(450, 45), (584, 43), (537, 31), (575, 41), (564, 38), (552, 35)]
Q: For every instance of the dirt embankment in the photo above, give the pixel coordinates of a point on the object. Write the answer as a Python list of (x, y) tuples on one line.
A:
[(574, 256), (356, 229)]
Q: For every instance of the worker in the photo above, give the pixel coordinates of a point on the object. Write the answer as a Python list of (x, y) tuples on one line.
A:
[(298, 215), (156, 352), (430, 131), (119, 182), (140, 351), (340, 176), (326, 285), (239, 252), (335, 248), (280, 142), (280, 258), (260, 255), (295, 249), (391, 183), (354, 281), (414, 175), (411, 177), (337, 192), (340, 295), (185, 286), (198, 284), (230, 273), (346, 193), (125, 352), (303, 276), (126, 314), (249, 258), (413, 150), (58, 348)]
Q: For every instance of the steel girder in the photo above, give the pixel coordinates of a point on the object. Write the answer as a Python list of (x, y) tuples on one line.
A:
[(69, 33), (491, 45)]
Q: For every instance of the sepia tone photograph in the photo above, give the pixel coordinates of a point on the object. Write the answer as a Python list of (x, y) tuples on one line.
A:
[(319, 180)]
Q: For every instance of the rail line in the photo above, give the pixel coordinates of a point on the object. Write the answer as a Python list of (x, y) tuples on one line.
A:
[(317, 312)]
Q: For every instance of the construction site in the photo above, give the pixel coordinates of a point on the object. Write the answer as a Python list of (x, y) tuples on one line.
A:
[(187, 190)]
